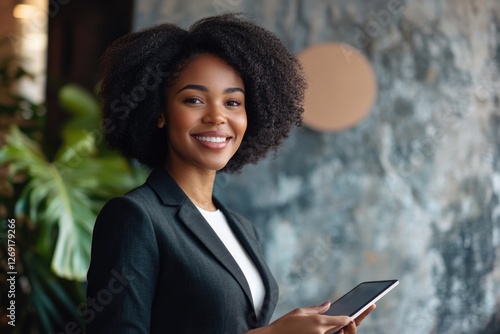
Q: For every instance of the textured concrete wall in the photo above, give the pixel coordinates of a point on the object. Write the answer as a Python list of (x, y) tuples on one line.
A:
[(412, 192)]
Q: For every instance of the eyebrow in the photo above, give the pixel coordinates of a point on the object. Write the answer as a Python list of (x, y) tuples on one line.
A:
[(205, 89)]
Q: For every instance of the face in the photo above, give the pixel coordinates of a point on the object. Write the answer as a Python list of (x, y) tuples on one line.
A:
[(205, 115)]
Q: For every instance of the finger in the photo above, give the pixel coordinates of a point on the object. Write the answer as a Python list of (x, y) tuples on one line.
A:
[(350, 328), (317, 309), (335, 323), (363, 315), (340, 331)]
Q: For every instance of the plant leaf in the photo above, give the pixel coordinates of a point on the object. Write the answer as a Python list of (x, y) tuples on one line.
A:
[(66, 195)]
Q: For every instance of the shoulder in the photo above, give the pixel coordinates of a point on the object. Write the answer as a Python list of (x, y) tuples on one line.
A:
[(148, 206), (131, 202), (142, 199), (122, 219), (130, 213)]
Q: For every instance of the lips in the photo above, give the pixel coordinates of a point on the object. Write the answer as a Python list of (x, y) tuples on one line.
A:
[(212, 139)]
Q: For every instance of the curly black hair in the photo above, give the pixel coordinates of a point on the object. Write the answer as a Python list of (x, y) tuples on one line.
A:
[(138, 67)]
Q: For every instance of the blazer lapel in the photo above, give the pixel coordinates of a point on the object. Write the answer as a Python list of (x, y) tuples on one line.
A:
[(193, 219), (252, 247), (171, 194)]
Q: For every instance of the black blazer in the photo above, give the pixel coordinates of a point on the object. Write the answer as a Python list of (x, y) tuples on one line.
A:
[(158, 267)]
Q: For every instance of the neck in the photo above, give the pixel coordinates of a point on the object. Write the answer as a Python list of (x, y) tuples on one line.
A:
[(197, 185)]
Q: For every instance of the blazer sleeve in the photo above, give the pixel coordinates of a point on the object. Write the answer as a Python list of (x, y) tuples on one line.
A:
[(123, 271)]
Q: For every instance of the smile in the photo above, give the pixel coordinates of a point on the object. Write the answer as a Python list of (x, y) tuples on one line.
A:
[(211, 139)]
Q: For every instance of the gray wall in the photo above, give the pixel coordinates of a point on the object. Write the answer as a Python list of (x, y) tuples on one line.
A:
[(412, 192)]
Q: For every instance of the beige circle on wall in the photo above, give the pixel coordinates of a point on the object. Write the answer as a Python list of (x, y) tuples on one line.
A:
[(341, 86)]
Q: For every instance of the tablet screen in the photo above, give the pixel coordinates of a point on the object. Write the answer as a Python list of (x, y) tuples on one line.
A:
[(360, 298)]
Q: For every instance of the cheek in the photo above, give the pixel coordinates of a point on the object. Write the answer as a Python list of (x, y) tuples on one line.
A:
[(242, 123), (179, 121), (176, 130)]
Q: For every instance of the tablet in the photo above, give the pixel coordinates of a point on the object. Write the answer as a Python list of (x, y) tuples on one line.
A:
[(361, 297)]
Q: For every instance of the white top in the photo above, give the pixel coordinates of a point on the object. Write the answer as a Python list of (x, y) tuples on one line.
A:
[(219, 224)]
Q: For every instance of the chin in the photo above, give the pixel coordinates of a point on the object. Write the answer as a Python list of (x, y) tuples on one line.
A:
[(215, 167)]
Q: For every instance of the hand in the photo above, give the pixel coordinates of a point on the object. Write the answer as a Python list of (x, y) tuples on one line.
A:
[(351, 328), (363, 315), (310, 320)]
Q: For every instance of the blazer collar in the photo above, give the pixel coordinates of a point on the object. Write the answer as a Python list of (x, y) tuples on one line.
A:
[(252, 246), (166, 188), (171, 194)]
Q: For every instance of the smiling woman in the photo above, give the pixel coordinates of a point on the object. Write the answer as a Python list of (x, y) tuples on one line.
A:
[(205, 116), (229, 92), (140, 67)]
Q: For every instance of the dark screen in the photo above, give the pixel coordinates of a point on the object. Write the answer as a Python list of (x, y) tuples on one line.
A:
[(358, 297)]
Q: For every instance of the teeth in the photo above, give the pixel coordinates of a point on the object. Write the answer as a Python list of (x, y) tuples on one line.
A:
[(211, 139)]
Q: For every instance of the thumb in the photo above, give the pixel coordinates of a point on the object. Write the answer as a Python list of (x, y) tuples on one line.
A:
[(319, 308)]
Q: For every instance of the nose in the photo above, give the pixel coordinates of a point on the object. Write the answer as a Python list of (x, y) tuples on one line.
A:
[(214, 114)]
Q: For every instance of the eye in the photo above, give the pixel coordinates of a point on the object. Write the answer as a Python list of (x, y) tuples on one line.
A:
[(233, 103), (193, 100)]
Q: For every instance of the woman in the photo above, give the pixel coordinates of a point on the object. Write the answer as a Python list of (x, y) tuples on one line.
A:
[(168, 257)]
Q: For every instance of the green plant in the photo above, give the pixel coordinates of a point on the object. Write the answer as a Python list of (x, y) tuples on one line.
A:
[(55, 207)]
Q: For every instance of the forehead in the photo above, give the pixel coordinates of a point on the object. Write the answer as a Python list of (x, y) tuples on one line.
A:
[(208, 68)]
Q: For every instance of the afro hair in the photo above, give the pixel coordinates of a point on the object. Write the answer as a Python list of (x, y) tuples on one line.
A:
[(140, 66)]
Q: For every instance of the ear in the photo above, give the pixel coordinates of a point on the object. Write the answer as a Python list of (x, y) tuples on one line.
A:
[(161, 121)]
